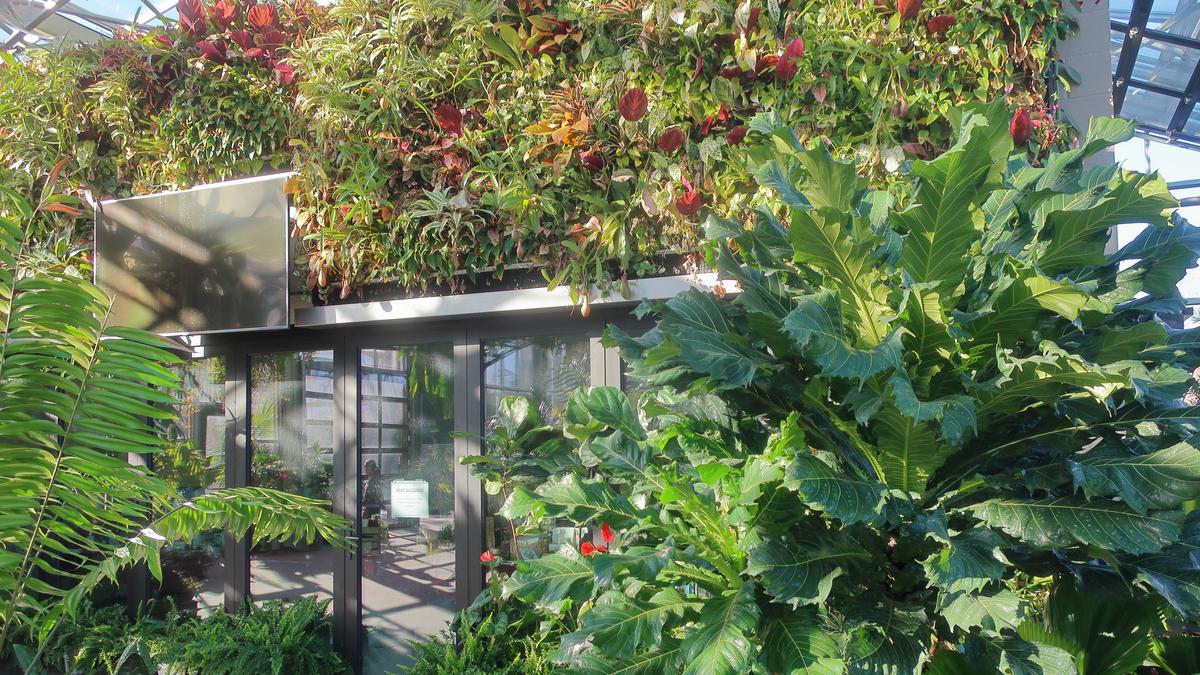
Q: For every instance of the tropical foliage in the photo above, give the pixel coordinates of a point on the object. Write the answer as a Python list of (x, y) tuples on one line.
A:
[(76, 398), (859, 462), (276, 638), (584, 138)]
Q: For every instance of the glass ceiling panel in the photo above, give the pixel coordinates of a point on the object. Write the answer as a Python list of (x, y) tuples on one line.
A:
[(1156, 66), (1149, 108), (1178, 17), (65, 22), (1164, 64)]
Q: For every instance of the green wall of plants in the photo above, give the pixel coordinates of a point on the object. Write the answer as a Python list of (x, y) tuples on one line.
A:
[(576, 136)]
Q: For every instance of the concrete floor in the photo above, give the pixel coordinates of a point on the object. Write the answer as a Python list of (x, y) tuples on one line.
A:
[(407, 591)]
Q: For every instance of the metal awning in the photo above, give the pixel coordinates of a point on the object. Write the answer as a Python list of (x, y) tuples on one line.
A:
[(1156, 67)]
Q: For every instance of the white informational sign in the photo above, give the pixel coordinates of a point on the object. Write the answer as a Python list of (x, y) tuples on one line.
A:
[(410, 499)]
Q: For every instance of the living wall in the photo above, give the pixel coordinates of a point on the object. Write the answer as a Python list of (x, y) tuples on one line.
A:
[(583, 138), (876, 458)]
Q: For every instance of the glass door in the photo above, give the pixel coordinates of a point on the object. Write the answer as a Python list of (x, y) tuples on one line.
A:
[(407, 496)]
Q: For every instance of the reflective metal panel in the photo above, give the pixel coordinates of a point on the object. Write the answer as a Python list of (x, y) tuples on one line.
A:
[(213, 258)]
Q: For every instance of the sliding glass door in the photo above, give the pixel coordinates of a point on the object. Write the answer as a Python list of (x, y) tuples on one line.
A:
[(406, 469)]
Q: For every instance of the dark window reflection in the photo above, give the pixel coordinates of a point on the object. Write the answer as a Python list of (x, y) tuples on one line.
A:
[(291, 443), (545, 370), (406, 465), (194, 462)]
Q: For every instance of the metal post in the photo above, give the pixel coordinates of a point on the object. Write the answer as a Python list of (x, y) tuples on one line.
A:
[(237, 471), (347, 577)]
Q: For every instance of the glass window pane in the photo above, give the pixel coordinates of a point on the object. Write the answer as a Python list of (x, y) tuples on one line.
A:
[(1180, 17), (194, 462), (546, 370), (1148, 107), (1164, 64), (407, 498), (291, 444)]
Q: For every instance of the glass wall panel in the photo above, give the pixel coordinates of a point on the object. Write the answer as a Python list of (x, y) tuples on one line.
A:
[(194, 462), (291, 445), (545, 370), (406, 465)]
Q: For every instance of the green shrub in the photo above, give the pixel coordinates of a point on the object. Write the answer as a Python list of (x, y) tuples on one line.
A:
[(277, 638), (105, 640), (489, 646), (908, 411)]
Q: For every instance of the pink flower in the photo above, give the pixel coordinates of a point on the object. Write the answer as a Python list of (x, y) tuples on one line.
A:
[(487, 557)]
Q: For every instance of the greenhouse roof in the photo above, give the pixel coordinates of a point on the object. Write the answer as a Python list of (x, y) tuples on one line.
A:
[(1156, 67), (32, 22)]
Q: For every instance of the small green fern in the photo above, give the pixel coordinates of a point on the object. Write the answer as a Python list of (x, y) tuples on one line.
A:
[(485, 648), (275, 638)]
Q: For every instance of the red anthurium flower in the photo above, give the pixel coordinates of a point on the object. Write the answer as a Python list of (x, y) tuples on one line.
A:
[(699, 65), (736, 135), (689, 203), (671, 140), (163, 40), (606, 534), (449, 118), (243, 39), (271, 39), (723, 114), (909, 9), (222, 14), (213, 50), (587, 548), (262, 16), (592, 161), (191, 17), (284, 73), (731, 72), (940, 24), (487, 557), (706, 125), (1020, 127), (256, 52), (788, 62), (633, 104)]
